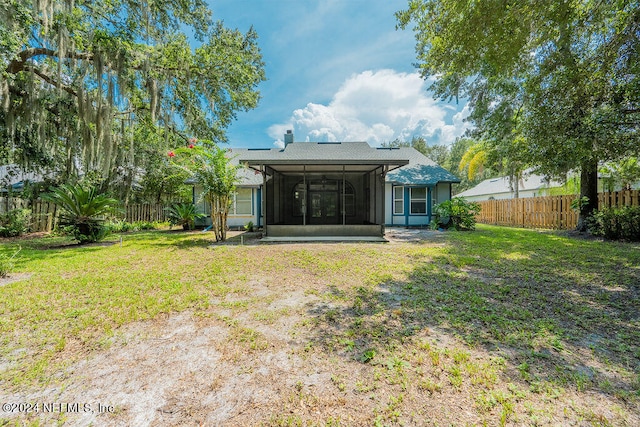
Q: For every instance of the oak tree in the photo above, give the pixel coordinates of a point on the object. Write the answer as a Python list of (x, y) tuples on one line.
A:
[(556, 83), (81, 82)]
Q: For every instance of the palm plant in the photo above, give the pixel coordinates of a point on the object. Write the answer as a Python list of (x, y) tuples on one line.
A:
[(183, 214), (84, 209)]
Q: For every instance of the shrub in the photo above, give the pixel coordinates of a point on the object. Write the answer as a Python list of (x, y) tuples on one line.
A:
[(84, 209), (15, 222), (146, 225), (183, 214), (120, 226), (616, 223), (456, 213), (249, 226)]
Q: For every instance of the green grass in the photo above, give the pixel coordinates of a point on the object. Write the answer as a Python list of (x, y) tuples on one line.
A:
[(528, 315)]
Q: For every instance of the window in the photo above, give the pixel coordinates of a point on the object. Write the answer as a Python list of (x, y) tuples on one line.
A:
[(418, 200), (398, 200), (241, 204)]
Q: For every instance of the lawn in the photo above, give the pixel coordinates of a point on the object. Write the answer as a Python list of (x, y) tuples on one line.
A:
[(499, 326)]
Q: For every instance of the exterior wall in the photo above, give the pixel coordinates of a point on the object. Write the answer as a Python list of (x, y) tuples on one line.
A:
[(324, 230), (407, 218), (503, 196), (443, 193), (233, 221), (438, 194)]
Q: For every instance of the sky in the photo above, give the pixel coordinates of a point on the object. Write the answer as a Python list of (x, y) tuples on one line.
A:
[(337, 70)]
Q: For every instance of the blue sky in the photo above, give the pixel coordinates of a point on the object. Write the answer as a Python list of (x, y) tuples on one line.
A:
[(337, 70)]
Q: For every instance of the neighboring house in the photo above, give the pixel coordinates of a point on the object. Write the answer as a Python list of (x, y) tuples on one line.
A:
[(531, 185), (335, 189), (14, 178)]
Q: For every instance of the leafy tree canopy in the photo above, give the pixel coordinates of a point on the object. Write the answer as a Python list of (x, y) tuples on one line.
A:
[(84, 82), (552, 84)]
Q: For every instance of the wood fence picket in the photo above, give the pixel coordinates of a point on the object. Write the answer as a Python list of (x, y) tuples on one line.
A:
[(44, 215), (553, 212)]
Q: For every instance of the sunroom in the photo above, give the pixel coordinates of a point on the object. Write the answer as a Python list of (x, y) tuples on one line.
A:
[(312, 189)]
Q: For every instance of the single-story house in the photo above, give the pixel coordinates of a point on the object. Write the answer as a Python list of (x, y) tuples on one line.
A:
[(335, 189), (13, 178), (530, 185)]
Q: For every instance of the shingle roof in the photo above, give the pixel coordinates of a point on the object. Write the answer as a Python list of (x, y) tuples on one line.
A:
[(501, 185), (15, 176), (323, 153), (248, 177), (421, 170)]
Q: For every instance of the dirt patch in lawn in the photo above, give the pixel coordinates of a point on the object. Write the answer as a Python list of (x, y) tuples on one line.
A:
[(14, 277)]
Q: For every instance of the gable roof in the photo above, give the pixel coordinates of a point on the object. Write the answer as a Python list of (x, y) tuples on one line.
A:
[(501, 185), (421, 170), (15, 176)]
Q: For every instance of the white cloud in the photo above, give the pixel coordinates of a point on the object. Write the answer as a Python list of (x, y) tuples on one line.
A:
[(376, 107)]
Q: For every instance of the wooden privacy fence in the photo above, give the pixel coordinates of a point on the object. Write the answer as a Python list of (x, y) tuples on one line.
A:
[(145, 212), (44, 215), (553, 212)]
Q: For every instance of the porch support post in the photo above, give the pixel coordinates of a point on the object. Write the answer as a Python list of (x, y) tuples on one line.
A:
[(382, 190), (344, 210), (306, 195), (264, 199)]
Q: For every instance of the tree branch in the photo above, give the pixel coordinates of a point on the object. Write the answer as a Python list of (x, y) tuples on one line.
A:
[(20, 64), (52, 81)]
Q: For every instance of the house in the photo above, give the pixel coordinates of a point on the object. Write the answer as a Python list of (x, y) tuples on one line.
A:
[(13, 178), (531, 185), (335, 189)]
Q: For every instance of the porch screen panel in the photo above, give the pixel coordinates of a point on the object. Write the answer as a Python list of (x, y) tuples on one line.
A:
[(299, 199), (349, 199)]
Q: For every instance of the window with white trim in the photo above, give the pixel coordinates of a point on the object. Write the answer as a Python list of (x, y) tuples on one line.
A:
[(418, 200), (398, 200), (241, 204)]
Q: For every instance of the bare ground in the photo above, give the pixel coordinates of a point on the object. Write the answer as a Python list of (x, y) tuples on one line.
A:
[(266, 366)]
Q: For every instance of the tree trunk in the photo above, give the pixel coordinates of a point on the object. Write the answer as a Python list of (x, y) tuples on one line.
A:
[(588, 190)]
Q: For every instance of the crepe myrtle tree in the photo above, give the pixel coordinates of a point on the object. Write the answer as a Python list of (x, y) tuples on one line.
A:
[(210, 166)]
